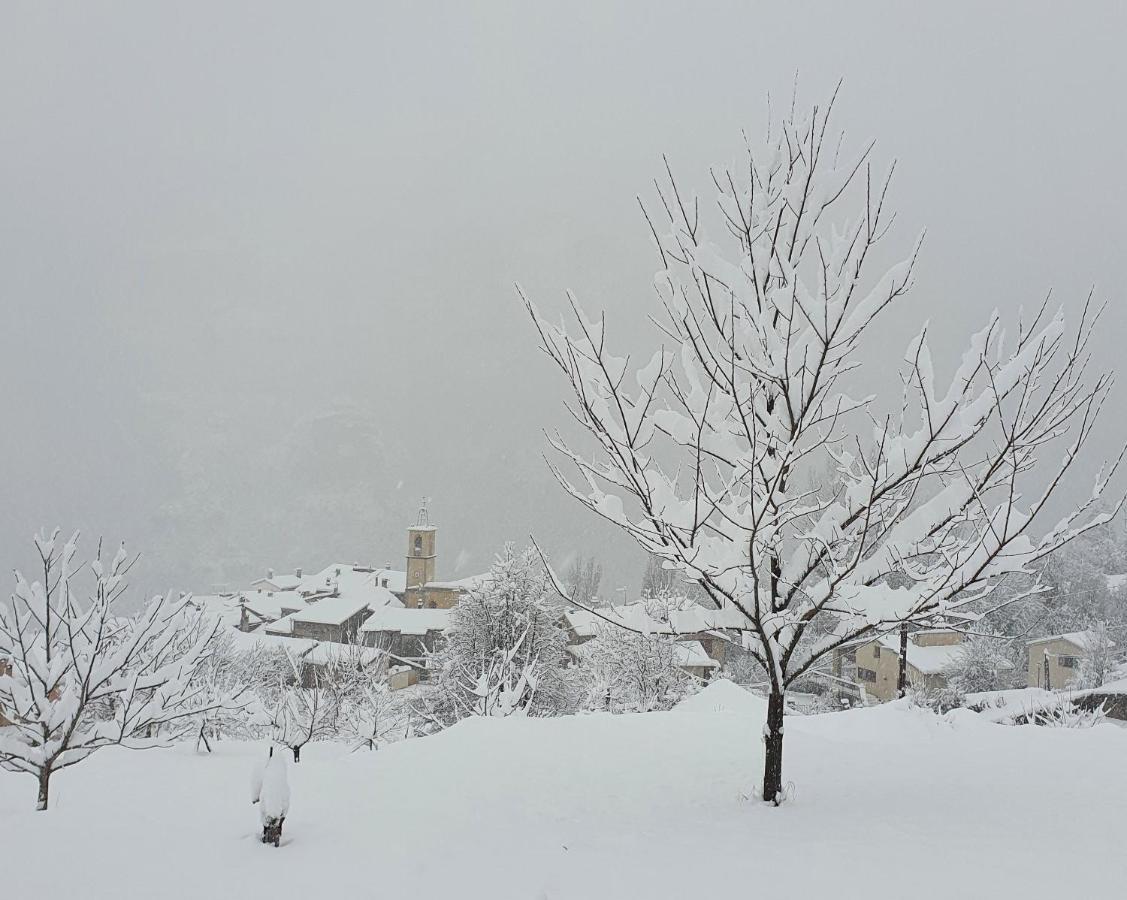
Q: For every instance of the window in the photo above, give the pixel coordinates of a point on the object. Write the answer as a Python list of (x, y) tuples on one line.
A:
[(876, 651), (866, 675), (418, 545), (1068, 662)]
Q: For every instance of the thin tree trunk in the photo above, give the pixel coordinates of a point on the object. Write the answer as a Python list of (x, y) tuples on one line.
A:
[(44, 788), (902, 675), (773, 741)]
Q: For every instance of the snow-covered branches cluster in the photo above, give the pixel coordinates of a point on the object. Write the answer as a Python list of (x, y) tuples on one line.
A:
[(713, 455), (505, 652), (77, 677)]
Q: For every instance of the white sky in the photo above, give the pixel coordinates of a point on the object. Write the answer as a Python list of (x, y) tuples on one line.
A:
[(256, 260)]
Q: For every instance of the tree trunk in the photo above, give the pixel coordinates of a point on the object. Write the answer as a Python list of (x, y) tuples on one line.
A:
[(773, 742), (297, 754), (44, 788), (902, 675)]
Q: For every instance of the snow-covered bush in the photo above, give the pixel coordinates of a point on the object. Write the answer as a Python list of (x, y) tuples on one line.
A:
[(505, 650), (78, 677), (1097, 661), (624, 671), (1063, 712), (224, 703), (981, 665)]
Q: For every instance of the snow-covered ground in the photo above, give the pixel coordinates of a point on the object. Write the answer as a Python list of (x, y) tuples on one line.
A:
[(887, 800)]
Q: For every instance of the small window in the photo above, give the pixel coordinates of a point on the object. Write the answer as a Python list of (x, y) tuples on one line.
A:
[(866, 675), (1068, 662), (418, 545), (876, 651), (383, 582)]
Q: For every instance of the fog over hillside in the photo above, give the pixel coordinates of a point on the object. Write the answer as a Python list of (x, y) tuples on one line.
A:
[(256, 267)]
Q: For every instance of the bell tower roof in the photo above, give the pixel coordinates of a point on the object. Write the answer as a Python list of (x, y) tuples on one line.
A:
[(422, 521)]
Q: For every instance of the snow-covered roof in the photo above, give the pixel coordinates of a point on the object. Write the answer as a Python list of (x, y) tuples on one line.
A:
[(932, 660), (327, 652), (283, 626), (635, 616), (1115, 582), (252, 641), (407, 621), (1082, 640), (332, 610), (273, 604), (225, 606), (462, 584), (277, 583), (356, 582), (690, 654)]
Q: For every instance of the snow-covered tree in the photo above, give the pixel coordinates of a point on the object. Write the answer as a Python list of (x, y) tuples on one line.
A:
[(223, 698), (505, 649), (308, 707), (656, 580), (713, 454), (78, 677), (625, 671), (583, 579), (370, 713), (1097, 659), (982, 664)]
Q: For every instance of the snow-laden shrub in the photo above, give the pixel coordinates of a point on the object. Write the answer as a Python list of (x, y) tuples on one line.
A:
[(505, 651), (982, 665), (940, 699), (1065, 713), (628, 672), (1097, 661)]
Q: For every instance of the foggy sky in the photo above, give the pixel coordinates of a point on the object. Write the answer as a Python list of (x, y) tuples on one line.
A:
[(256, 260)]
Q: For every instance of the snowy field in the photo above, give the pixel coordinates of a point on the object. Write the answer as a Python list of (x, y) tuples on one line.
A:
[(887, 800)]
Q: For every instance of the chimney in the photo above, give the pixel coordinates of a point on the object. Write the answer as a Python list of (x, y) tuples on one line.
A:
[(297, 572), (269, 573)]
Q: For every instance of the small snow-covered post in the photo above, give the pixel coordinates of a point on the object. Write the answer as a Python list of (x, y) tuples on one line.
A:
[(736, 454), (79, 677)]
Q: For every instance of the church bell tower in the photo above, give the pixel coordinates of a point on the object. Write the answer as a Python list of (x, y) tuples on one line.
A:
[(420, 551)]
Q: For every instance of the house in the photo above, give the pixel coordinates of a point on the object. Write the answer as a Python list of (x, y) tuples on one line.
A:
[(1054, 661), (710, 629), (406, 636), (335, 619), (873, 664), (274, 582), (702, 639), (690, 656)]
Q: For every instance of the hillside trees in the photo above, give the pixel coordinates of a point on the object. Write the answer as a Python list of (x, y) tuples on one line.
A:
[(711, 455)]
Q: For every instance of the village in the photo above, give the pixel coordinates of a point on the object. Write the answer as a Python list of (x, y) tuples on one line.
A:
[(396, 618)]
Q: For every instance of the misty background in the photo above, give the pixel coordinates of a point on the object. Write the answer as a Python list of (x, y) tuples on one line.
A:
[(257, 260)]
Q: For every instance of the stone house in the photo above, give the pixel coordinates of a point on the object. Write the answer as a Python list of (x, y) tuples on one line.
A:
[(405, 634), (1054, 661), (873, 664)]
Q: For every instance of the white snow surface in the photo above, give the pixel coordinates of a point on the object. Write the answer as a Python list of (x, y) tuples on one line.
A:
[(598, 806), (727, 697)]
